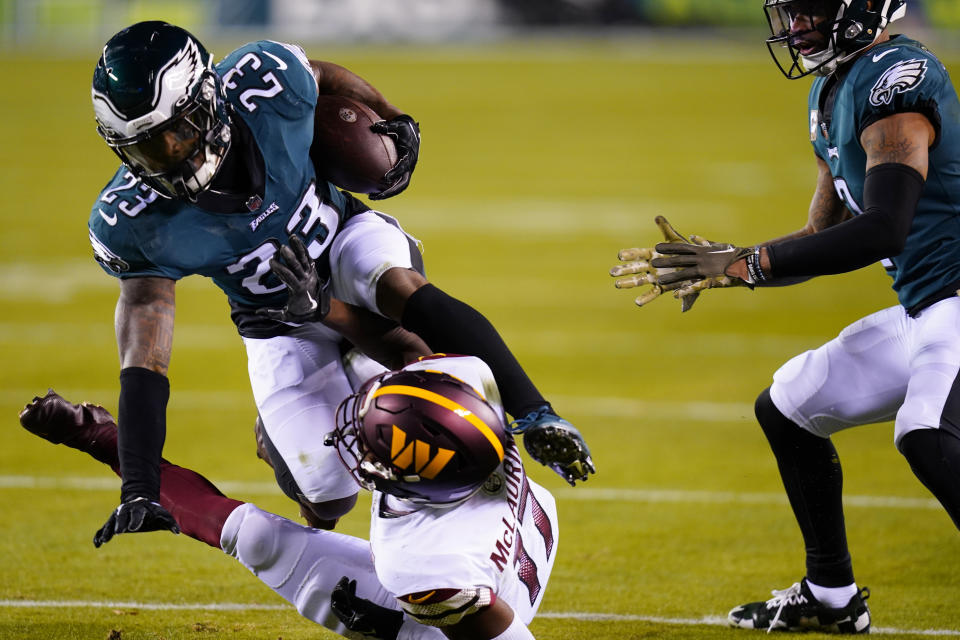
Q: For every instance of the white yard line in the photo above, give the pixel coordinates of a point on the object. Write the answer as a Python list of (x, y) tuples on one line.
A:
[(561, 615), (591, 406), (583, 493)]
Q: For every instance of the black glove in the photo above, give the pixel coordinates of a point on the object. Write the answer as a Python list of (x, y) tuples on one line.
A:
[(308, 299), (139, 514), (362, 616), (406, 135)]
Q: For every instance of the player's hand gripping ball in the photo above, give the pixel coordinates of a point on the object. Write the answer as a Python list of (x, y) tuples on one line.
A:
[(346, 151), (406, 133)]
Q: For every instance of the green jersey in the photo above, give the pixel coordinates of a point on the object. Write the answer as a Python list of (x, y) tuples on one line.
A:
[(897, 76), (135, 232)]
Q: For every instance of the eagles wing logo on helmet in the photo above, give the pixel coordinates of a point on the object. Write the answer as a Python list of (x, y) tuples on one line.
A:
[(900, 78), (171, 90)]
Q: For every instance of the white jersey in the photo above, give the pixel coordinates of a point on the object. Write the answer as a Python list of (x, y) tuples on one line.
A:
[(503, 538), (500, 543)]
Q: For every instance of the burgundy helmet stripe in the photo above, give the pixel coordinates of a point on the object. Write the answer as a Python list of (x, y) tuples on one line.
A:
[(448, 404)]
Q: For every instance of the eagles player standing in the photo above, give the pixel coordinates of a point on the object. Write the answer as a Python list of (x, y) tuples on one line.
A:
[(217, 180), (884, 121)]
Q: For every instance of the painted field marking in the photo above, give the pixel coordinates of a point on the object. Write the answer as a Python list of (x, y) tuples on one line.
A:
[(555, 615), (594, 406), (580, 494)]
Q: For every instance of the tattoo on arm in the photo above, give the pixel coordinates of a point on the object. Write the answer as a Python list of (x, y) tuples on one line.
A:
[(144, 323), (889, 148), (826, 208), (903, 138)]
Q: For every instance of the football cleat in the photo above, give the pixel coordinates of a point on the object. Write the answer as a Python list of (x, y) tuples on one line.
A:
[(61, 422), (555, 443), (796, 609)]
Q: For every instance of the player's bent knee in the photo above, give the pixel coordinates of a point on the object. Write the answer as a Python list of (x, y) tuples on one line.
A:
[(767, 413), (324, 515), (256, 542), (266, 544), (928, 449), (934, 457)]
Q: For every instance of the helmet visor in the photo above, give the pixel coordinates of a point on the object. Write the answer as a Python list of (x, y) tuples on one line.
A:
[(181, 157), (164, 151)]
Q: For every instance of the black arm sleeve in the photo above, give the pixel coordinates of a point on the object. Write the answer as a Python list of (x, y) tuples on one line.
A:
[(890, 193), (451, 326), (142, 421)]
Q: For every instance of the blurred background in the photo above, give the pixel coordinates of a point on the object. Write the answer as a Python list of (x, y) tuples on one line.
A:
[(78, 23)]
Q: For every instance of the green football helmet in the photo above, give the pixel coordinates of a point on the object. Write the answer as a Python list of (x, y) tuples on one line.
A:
[(820, 35), (160, 106)]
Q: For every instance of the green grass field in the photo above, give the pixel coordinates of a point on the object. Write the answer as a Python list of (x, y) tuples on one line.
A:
[(540, 160)]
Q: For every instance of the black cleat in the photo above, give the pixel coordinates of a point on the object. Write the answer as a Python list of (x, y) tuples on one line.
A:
[(795, 609)]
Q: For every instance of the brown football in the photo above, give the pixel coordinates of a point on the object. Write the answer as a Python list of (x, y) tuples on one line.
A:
[(345, 151)]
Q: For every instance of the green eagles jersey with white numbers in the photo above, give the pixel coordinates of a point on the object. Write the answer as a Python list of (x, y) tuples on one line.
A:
[(135, 232), (898, 76)]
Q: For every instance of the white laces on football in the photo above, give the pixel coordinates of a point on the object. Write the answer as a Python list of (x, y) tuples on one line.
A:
[(780, 599)]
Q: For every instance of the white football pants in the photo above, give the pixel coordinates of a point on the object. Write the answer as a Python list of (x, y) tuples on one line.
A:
[(303, 565), (884, 366), (298, 380)]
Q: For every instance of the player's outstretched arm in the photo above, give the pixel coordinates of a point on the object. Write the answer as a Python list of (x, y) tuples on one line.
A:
[(144, 327), (448, 325), (897, 149), (461, 614), (405, 131), (495, 622)]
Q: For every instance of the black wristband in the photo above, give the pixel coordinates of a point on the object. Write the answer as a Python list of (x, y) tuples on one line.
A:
[(754, 269), (142, 423), (451, 326)]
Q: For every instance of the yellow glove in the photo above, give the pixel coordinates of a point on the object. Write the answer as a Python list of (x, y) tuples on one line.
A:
[(637, 262)]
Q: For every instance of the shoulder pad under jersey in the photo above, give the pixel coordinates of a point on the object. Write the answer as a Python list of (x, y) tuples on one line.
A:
[(272, 76)]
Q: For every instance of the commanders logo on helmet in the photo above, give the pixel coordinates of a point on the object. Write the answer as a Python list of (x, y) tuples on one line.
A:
[(155, 90), (423, 436)]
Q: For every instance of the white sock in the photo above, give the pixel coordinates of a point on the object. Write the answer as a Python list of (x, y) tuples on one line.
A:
[(833, 597)]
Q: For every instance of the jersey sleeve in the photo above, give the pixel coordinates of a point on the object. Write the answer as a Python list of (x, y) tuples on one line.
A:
[(444, 607), (116, 244), (269, 76), (900, 79)]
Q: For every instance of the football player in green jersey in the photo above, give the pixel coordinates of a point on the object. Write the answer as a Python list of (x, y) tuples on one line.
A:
[(217, 180), (884, 121)]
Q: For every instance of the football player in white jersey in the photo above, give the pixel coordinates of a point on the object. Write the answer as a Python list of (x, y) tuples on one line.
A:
[(462, 543)]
